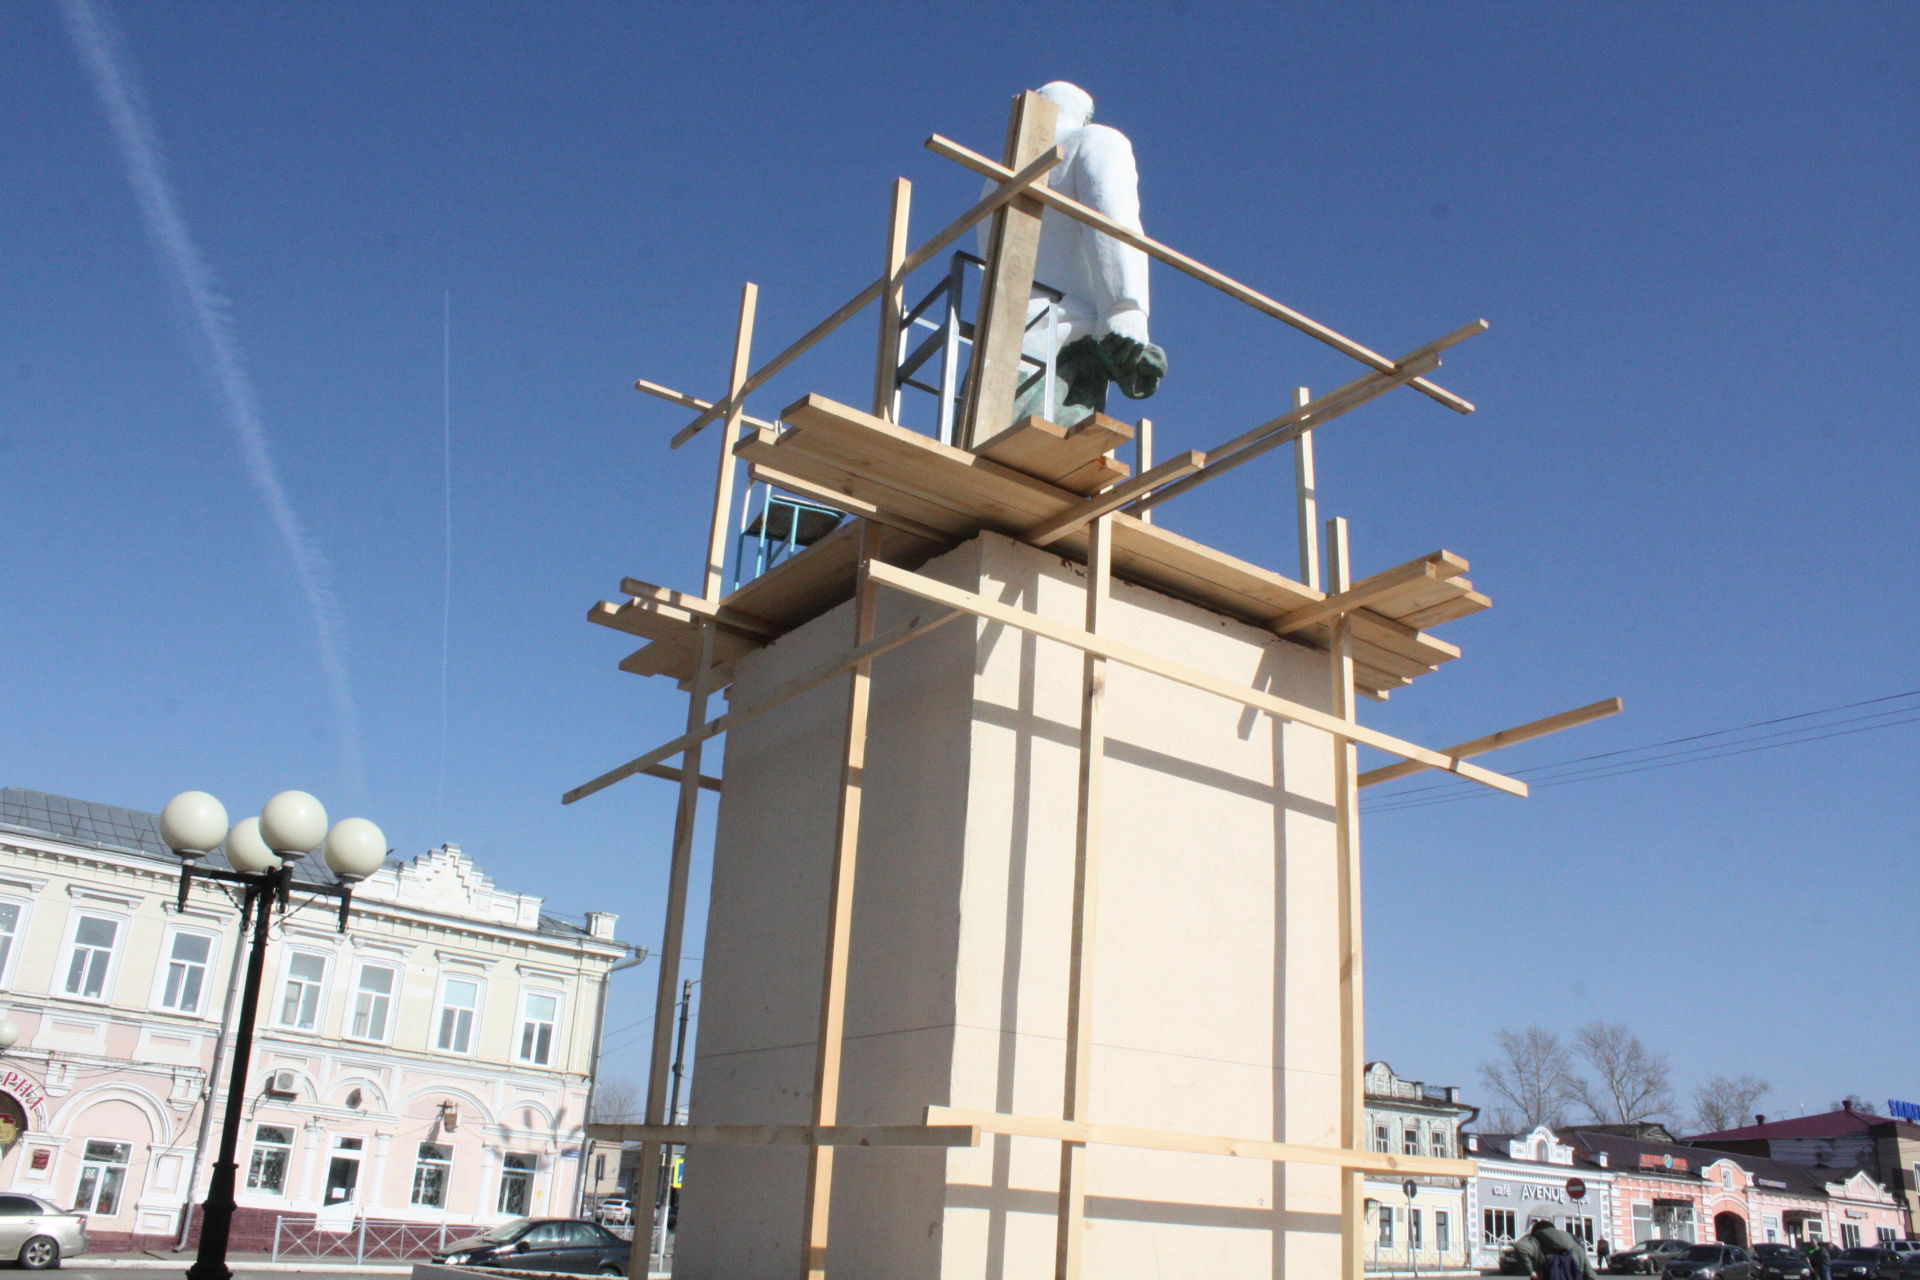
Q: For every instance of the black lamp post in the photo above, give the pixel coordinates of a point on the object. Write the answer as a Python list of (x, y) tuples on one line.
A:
[(262, 853)]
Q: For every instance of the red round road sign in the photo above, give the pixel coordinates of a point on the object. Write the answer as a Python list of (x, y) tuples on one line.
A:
[(1576, 1189)]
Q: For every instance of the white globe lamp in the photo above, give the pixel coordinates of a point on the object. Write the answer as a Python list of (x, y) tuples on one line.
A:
[(9, 1034), (247, 851), (293, 824), (193, 824), (355, 849)]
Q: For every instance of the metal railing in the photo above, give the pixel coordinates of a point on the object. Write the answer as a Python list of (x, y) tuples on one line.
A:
[(296, 1238)]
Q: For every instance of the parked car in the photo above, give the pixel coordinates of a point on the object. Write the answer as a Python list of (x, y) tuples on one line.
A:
[(37, 1233), (1713, 1262), (1647, 1257), (614, 1211), (1866, 1262), (1782, 1262), (542, 1244), (1901, 1247)]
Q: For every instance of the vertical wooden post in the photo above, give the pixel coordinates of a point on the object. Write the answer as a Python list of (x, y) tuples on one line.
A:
[(846, 851), (723, 479), (1070, 1218), (1001, 327), (1306, 499), (887, 363), (1143, 457), (1346, 802), (669, 981)]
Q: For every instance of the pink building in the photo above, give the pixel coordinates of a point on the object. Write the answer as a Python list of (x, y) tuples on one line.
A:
[(431, 1065)]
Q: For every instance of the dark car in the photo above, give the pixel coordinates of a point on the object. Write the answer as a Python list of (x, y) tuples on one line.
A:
[(542, 1244), (1781, 1262), (1647, 1257), (1713, 1262), (1866, 1262)]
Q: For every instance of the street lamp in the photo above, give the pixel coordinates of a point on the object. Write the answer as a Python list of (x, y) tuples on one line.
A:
[(262, 853)]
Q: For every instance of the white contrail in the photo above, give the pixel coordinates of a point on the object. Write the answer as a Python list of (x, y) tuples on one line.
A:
[(218, 351)]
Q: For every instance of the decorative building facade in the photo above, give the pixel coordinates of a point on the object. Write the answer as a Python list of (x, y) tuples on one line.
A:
[(1428, 1229), (431, 1064), (1529, 1177)]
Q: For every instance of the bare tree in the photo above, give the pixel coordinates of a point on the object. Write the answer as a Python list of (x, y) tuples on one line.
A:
[(1720, 1102), (615, 1100), (1532, 1079), (1853, 1102), (1629, 1083)]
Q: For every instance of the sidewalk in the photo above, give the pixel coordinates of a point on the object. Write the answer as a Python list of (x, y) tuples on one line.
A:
[(163, 1260)]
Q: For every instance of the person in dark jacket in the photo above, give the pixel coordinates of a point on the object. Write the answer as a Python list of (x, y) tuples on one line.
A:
[(1820, 1260), (1601, 1252), (1545, 1241)]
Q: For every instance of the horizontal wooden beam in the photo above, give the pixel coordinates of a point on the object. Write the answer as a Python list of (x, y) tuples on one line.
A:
[(1013, 185), (846, 502), (1115, 1135), (707, 781), (1505, 738), (1437, 567), (741, 624), (790, 1135), (914, 628), (1199, 271), (693, 402), (971, 602), (1078, 517)]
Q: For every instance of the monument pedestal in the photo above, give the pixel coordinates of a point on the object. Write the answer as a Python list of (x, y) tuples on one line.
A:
[(1215, 992)]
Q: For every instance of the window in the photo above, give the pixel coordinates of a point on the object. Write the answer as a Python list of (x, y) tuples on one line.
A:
[(300, 1000), (1410, 1142), (430, 1173), (1726, 1177), (1581, 1229), (1437, 1143), (1850, 1235), (539, 1010), (9, 930), (1442, 1230), (1496, 1224), (1887, 1236), (1642, 1222), (1386, 1226), (91, 957), (188, 959), (516, 1183), (1413, 1228), (272, 1148), (1380, 1140), (459, 1000), (103, 1171), (373, 1001)]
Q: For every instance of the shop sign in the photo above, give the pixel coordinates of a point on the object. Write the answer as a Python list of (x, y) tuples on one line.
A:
[(1903, 1110), (1663, 1163), (28, 1091), (42, 1157), (1856, 1213), (1769, 1182)]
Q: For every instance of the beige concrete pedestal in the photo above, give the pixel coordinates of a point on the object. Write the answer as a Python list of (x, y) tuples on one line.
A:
[(1215, 1006)]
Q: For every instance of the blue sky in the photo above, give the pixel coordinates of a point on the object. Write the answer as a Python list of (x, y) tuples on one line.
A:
[(1690, 482)]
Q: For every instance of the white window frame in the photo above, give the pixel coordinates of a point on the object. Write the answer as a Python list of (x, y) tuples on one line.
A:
[(103, 1170), (1442, 1231), (1414, 1233), (352, 1030), (437, 1163), (1385, 1238), (280, 1018), (526, 1021), (441, 1009), (15, 941), (163, 972), (1410, 1141), (110, 979), (259, 1148)]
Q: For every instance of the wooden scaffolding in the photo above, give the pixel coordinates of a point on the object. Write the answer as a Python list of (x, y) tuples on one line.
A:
[(913, 497)]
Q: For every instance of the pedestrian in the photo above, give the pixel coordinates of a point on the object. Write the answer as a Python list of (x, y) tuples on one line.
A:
[(1551, 1254), (1820, 1260), (1601, 1252)]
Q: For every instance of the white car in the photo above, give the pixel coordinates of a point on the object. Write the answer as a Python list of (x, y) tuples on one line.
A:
[(614, 1211), (37, 1233)]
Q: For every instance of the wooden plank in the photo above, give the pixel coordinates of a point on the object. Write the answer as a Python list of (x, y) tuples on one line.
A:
[(1015, 186), (1504, 738), (912, 629), (1052, 453), (692, 402), (955, 598), (846, 860), (1070, 1218), (1117, 1135), (1181, 262), (666, 601), (846, 501), (671, 774), (723, 478), (1346, 839), (1306, 499), (1371, 591), (1052, 530), (680, 866), (1143, 457), (993, 377), (886, 364), (790, 1135)]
